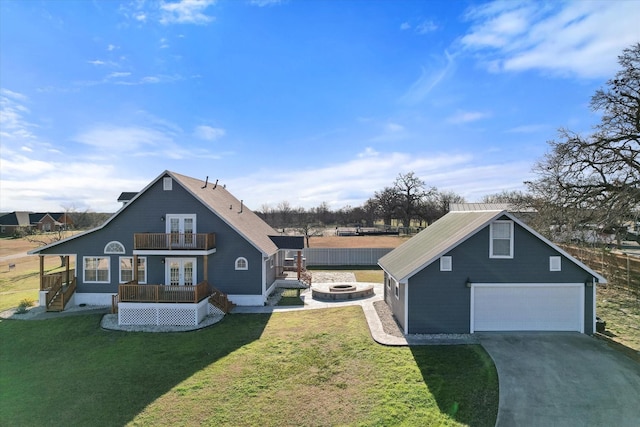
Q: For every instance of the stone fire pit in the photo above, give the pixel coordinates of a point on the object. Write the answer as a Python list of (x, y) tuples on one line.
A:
[(341, 291)]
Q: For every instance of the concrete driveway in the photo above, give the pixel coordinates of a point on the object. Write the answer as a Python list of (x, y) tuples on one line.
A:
[(563, 379)]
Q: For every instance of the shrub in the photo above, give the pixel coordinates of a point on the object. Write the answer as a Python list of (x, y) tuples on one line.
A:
[(22, 307)]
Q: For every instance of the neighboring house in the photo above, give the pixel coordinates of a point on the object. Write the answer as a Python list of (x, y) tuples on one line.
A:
[(30, 222), (188, 239), (474, 271)]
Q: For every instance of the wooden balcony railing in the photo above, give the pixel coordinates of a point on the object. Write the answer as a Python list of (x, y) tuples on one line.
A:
[(174, 241), (132, 292)]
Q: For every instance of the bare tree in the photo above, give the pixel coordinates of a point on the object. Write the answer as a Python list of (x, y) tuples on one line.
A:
[(411, 193), (595, 179)]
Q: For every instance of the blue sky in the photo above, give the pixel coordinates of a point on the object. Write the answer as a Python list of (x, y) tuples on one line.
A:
[(306, 101)]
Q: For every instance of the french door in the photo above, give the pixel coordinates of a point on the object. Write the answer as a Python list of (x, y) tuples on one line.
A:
[(180, 271), (181, 229)]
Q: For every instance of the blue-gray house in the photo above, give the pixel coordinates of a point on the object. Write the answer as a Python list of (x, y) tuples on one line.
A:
[(486, 270), (166, 251)]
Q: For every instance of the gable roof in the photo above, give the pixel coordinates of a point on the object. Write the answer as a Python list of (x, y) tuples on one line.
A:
[(219, 201), (447, 233)]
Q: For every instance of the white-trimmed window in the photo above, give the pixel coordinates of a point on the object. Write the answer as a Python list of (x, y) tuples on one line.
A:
[(242, 264), (271, 262), (114, 247), (126, 269), (555, 263), (446, 263), (501, 239), (96, 269), (167, 183), (388, 282), (397, 290)]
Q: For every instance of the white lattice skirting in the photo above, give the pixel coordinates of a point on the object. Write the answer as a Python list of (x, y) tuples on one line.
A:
[(136, 313)]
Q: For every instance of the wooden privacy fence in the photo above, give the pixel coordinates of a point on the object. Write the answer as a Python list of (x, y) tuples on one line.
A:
[(620, 270), (343, 256)]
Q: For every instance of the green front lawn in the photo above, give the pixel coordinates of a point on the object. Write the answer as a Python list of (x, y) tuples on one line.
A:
[(316, 367)]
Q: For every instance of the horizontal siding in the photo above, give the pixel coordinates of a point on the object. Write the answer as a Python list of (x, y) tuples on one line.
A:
[(343, 256)]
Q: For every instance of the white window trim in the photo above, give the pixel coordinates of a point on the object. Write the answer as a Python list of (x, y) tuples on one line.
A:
[(240, 259), (396, 290), (181, 218), (96, 281), (555, 263), (112, 251), (181, 261), (141, 280), (511, 230), (167, 183), (446, 263)]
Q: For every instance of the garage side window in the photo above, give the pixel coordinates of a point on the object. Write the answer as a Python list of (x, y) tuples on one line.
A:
[(242, 264), (397, 290), (446, 263), (501, 241)]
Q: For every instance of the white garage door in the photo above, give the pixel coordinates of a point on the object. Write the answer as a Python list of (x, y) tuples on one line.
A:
[(527, 307)]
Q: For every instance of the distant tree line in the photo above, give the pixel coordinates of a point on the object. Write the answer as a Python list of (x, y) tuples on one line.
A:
[(408, 200)]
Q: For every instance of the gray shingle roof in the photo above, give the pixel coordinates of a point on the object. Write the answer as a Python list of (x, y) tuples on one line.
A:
[(434, 241), (239, 217)]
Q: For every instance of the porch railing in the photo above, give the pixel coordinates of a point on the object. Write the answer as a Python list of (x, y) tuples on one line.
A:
[(56, 279), (61, 286), (133, 292), (174, 241)]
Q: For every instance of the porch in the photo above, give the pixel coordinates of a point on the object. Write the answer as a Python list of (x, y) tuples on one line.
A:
[(133, 292), (138, 304), (56, 289)]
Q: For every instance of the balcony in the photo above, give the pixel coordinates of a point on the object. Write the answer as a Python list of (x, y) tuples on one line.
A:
[(174, 241)]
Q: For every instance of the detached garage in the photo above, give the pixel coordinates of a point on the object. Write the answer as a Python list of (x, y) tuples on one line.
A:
[(485, 270)]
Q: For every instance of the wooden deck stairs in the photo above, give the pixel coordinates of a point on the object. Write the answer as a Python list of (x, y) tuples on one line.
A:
[(60, 297), (219, 299)]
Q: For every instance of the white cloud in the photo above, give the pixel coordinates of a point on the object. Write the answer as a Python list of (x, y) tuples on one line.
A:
[(208, 133), (13, 124), (117, 75), (425, 27), (263, 3), (350, 182), (115, 139), (528, 129), (111, 47), (186, 12), (405, 26), (428, 80), (97, 62), (467, 116), (566, 38)]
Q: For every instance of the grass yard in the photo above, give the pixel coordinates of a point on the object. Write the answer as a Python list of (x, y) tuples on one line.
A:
[(317, 367), (621, 311), (290, 297)]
